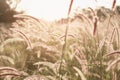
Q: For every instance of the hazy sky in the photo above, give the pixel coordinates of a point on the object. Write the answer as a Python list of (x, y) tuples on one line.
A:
[(55, 9)]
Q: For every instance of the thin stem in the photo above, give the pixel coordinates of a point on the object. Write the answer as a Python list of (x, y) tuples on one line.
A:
[(65, 40)]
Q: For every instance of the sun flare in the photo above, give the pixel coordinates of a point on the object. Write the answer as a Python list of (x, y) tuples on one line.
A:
[(56, 9)]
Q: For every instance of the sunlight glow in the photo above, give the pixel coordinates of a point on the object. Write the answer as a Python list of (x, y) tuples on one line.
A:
[(56, 9)]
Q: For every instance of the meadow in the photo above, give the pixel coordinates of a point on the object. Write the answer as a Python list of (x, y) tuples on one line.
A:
[(85, 46)]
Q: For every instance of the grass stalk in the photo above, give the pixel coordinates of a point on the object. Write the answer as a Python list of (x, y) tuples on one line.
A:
[(65, 41)]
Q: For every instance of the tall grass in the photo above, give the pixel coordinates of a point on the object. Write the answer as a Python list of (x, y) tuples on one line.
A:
[(36, 49), (65, 40)]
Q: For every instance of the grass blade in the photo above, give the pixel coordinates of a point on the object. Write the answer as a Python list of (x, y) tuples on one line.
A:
[(80, 73), (112, 64)]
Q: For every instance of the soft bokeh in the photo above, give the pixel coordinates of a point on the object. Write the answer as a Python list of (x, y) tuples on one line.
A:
[(56, 9)]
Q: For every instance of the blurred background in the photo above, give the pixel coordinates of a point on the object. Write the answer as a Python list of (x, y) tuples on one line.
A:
[(56, 9)]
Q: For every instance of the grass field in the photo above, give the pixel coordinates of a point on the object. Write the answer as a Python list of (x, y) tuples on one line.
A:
[(83, 47)]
